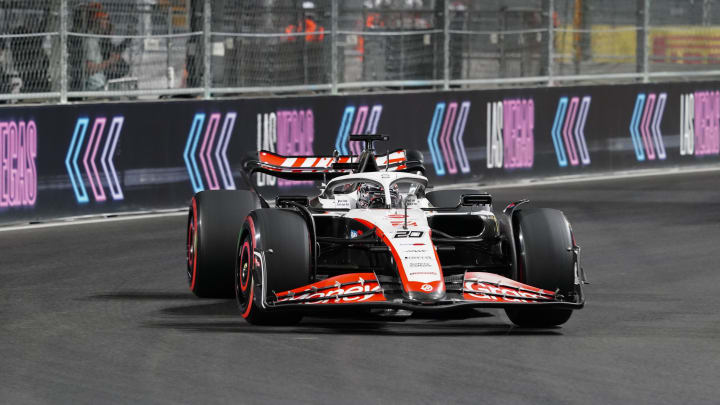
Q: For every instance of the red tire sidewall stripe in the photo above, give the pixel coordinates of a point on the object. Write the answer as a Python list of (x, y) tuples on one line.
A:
[(251, 259), (245, 251), (195, 238)]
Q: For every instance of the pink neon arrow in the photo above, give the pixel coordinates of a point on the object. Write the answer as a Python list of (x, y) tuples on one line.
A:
[(205, 157), (644, 126), (94, 176), (107, 156), (445, 137), (355, 147), (569, 143), (221, 151)]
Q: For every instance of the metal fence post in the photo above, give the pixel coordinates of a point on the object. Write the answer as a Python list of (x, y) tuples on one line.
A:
[(207, 51), (63, 52), (333, 45), (551, 42), (646, 40), (446, 45)]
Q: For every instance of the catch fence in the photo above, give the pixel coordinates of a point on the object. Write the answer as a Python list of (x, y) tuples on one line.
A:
[(68, 50)]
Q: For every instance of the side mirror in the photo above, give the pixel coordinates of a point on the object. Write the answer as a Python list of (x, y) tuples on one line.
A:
[(468, 200)]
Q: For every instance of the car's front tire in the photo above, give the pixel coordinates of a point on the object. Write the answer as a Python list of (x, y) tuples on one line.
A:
[(545, 260), (273, 249)]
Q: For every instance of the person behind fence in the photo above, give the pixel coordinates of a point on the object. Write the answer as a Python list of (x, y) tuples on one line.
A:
[(103, 59)]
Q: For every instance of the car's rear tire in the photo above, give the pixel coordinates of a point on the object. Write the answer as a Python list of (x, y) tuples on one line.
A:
[(214, 222), (274, 248), (544, 259)]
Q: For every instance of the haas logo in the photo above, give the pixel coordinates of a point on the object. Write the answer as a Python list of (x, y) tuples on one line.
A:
[(426, 287)]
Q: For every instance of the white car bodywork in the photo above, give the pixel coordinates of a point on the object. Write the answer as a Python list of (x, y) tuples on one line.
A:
[(404, 227)]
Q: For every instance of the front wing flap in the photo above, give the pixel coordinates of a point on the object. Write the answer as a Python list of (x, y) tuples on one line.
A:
[(474, 289)]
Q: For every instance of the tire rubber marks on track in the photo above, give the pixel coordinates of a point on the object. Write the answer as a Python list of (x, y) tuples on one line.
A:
[(568, 131), (89, 158), (205, 154), (449, 121), (645, 126)]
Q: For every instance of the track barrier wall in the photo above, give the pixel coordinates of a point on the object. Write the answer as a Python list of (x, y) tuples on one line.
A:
[(70, 160)]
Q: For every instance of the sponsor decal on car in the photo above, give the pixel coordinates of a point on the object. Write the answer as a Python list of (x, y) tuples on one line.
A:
[(490, 287), (346, 288)]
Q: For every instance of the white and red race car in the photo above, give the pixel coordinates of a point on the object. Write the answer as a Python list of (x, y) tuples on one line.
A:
[(377, 239)]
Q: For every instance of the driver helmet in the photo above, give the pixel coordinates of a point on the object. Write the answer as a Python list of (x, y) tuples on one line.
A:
[(370, 196)]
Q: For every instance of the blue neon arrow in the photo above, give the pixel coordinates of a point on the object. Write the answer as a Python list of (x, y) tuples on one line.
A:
[(344, 131), (557, 124), (71, 160), (634, 123), (189, 153), (432, 139)]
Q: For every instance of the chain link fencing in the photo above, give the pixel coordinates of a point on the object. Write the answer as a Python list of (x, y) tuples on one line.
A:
[(81, 49)]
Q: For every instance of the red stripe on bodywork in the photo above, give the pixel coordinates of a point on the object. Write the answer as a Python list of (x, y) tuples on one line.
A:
[(407, 284), (331, 290), (490, 287)]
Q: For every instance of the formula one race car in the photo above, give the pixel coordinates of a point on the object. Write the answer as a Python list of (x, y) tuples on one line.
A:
[(378, 240)]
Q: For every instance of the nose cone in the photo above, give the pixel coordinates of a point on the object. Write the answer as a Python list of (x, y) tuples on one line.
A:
[(427, 295)]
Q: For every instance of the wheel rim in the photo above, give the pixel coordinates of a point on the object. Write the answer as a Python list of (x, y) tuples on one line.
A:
[(245, 267), (243, 276), (191, 245)]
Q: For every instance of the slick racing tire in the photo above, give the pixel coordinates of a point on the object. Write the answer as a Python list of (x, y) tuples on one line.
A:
[(214, 221), (274, 249), (543, 238)]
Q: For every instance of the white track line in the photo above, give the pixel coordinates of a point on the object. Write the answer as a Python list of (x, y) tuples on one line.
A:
[(586, 178), (125, 216), (129, 216)]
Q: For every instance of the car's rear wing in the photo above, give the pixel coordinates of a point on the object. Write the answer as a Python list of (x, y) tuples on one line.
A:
[(324, 167)]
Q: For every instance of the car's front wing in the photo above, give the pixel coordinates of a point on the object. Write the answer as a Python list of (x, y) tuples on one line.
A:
[(474, 289)]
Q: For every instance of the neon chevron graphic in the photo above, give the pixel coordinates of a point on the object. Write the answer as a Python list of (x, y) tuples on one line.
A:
[(362, 112), (445, 137), (655, 126), (580, 130), (90, 156), (71, 160), (108, 153), (569, 143), (433, 139), (93, 176), (221, 151), (371, 128), (342, 137), (206, 154), (637, 112), (189, 153), (645, 126), (205, 160), (458, 137), (644, 130), (557, 142), (568, 131), (358, 126), (449, 122)]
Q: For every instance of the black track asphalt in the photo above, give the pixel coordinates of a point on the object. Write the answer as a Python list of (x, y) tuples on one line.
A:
[(100, 313)]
